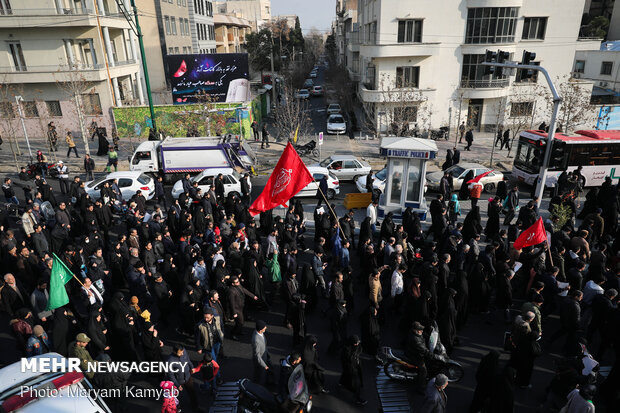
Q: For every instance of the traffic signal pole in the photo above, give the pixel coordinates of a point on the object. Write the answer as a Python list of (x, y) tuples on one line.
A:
[(557, 99)]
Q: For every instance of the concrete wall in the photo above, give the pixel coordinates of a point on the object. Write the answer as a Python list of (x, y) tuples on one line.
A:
[(592, 69)]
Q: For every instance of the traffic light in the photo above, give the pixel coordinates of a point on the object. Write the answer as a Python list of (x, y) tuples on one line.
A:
[(490, 57), (526, 60), (501, 58), (527, 57)]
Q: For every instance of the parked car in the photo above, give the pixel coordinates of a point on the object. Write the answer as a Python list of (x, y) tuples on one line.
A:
[(312, 75), (317, 91), (308, 84), (345, 167), (378, 183), (333, 108), (302, 94), (336, 124), (73, 390), (459, 172), (128, 182), (333, 185), (232, 181)]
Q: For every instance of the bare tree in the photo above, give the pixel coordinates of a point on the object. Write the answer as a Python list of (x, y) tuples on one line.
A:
[(292, 115), (8, 118), (519, 113), (575, 109)]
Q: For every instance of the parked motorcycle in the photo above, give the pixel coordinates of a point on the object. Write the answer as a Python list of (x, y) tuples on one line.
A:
[(308, 148), (32, 169), (254, 398), (438, 134), (398, 367)]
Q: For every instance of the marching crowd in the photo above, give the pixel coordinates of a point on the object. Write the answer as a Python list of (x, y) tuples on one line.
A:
[(205, 265)]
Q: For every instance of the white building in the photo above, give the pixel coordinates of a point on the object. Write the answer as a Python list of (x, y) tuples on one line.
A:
[(56, 49), (427, 56), (202, 26), (258, 12), (602, 67)]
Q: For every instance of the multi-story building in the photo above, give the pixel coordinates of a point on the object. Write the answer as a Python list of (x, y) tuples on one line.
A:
[(345, 29), (55, 50), (428, 58), (258, 12), (230, 32), (290, 19), (602, 67), (202, 26)]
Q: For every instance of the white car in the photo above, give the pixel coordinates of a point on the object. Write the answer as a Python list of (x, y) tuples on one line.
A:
[(336, 124), (345, 167), (308, 83), (378, 183), (318, 172), (312, 75), (302, 94), (317, 91), (128, 182), (333, 109), (460, 171), (232, 181), (71, 390)]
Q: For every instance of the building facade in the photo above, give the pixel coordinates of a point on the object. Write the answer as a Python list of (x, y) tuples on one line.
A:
[(230, 32), (202, 26), (426, 59), (59, 52), (602, 67), (257, 12)]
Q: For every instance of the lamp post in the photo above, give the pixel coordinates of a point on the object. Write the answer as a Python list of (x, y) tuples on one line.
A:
[(21, 118)]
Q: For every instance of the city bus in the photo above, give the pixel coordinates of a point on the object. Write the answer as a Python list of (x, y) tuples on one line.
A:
[(597, 151)]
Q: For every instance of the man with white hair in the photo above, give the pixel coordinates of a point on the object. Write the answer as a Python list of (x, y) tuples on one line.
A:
[(13, 296), (435, 398)]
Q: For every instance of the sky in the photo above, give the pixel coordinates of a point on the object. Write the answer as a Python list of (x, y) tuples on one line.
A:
[(312, 13)]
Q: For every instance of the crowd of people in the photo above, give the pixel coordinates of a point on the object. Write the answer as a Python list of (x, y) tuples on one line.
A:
[(203, 264)]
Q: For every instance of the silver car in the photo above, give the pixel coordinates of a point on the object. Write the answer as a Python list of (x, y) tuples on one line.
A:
[(345, 167), (128, 182), (336, 125), (460, 171)]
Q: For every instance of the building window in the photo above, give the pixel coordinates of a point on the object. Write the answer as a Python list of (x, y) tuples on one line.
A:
[(170, 50), (182, 26), (30, 109), (491, 25), (53, 108), (6, 110), (173, 25), (410, 31), (407, 76), (473, 76), (606, 68), (187, 33), (176, 50), (92, 104), (519, 109), (18, 56), (5, 7), (534, 28), (167, 24), (580, 65)]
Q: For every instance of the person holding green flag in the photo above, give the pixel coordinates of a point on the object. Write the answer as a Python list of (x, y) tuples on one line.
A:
[(59, 276), (112, 160)]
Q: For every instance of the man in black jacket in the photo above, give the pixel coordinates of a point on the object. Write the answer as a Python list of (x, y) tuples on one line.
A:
[(570, 319), (245, 190), (236, 303), (418, 353)]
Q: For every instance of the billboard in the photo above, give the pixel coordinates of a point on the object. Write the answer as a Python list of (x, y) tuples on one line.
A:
[(224, 77)]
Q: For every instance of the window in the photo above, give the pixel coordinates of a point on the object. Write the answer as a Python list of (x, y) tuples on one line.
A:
[(176, 50), (397, 181), (30, 109), (606, 68), (473, 73), (413, 180), (407, 76), (18, 56), (173, 25), (5, 7), (92, 104), (125, 182), (519, 109), (410, 31), (6, 110), (170, 50), (167, 24), (534, 28), (580, 66), (491, 25), (53, 108), (182, 26)]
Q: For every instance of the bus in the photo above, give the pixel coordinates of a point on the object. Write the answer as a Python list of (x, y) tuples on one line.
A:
[(597, 151)]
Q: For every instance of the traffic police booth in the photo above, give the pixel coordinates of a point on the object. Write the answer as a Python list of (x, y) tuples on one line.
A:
[(406, 174)]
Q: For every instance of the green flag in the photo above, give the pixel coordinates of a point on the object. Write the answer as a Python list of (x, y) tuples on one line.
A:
[(59, 277)]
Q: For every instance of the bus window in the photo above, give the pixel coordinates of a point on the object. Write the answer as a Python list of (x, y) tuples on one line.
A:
[(580, 155), (559, 156), (526, 154)]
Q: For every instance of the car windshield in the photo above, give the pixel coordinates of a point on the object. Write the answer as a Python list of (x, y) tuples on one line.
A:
[(236, 175), (334, 107), (326, 162), (336, 119), (456, 171), (144, 179), (381, 175)]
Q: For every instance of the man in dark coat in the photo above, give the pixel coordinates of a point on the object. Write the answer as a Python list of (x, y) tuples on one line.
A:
[(322, 190), (183, 379), (469, 138), (236, 302), (13, 296)]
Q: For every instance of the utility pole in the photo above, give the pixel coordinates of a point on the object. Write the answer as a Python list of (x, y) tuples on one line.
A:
[(495, 60), (135, 27), (21, 118)]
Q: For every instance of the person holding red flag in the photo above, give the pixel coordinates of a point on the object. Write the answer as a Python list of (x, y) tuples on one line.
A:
[(288, 178), (534, 235)]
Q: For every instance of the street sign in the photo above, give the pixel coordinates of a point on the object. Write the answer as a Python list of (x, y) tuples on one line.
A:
[(320, 138)]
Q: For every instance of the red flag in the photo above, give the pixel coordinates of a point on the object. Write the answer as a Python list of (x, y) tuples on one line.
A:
[(532, 236), (288, 178), (479, 177)]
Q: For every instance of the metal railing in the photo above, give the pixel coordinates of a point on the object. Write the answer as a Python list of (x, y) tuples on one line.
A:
[(51, 68), (484, 84), (126, 62), (47, 12)]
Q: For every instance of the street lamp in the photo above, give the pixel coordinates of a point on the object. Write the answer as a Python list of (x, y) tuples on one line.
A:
[(21, 118)]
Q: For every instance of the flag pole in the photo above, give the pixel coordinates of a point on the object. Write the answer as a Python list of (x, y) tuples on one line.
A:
[(57, 258), (549, 251), (330, 208)]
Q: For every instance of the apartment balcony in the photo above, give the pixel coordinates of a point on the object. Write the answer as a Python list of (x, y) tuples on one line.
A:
[(399, 49), (367, 95), (349, 14), (219, 40), (67, 73), (493, 3), (231, 38), (485, 89), (52, 18)]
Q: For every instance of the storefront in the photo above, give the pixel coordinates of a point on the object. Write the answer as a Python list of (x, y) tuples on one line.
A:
[(406, 177)]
